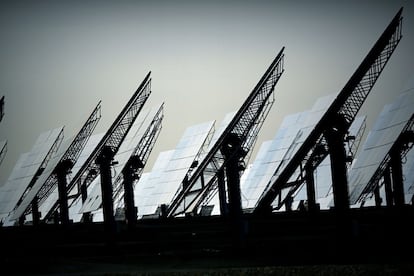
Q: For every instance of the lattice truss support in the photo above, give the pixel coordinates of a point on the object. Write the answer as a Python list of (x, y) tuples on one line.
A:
[(244, 128), (52, 151), (111, 141), (25, 204), (139, 155), (336, 121), (73, 152)]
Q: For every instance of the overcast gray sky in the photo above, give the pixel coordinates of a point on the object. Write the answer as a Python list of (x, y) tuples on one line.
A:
[(58, 59)]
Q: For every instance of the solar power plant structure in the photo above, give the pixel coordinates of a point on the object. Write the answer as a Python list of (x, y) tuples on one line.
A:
[(221, 167), (103, 152), (386, 150), (272, 154), (172, 169), (53, 197), (28, 168), (135, 137), (330, 133), (324, 183), (52, 177)]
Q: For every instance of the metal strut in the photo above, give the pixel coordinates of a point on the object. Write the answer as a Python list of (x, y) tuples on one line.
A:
[(3, 151), (123, 185), (239, 136), (402, 145), (26, 202), (111, 141), (334, 124), (66, 162)]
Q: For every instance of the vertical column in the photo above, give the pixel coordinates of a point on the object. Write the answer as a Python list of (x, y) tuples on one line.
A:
[(388, 187), (377, 196), (62, 169), (335, 138), (222, 193), (35, 211), (104, 161), (397, 178), (232, 152), (310, 189), (129, 176), (233, 186)]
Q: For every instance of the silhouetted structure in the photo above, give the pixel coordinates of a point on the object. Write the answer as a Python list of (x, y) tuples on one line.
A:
[(28, 169), (221, 167), (390, 170), (185, 228), (329, 135), (101, 158), (44, 187)]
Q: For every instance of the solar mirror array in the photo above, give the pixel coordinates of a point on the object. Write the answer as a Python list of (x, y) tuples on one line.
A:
[(312, 162)]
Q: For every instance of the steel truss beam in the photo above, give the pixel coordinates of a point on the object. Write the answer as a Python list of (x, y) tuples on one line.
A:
[(244, 127), (69, 158), (24, 198), (112, 140), (73, 152), (3, 152), (337, 119), (134, 167)]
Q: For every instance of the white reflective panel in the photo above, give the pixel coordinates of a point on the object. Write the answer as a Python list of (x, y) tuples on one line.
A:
[(86, 152), (173, 174), (45, 207), (322, 175), (269, 158), (135, 134), (306, 124), (27, 167), (53, 197), (10, 192), (388, 126), (227, 119), (147, 184), (273, 157)]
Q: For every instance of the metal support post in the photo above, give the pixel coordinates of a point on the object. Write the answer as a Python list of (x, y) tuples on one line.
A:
[(335, 139), (62, 169), (233, 187), (232, 151), (310, 189), (397, 179), (35, 212), (222, 193), (86, 216), (388, 187), (129, 176), (377, 196), (104, 161)]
